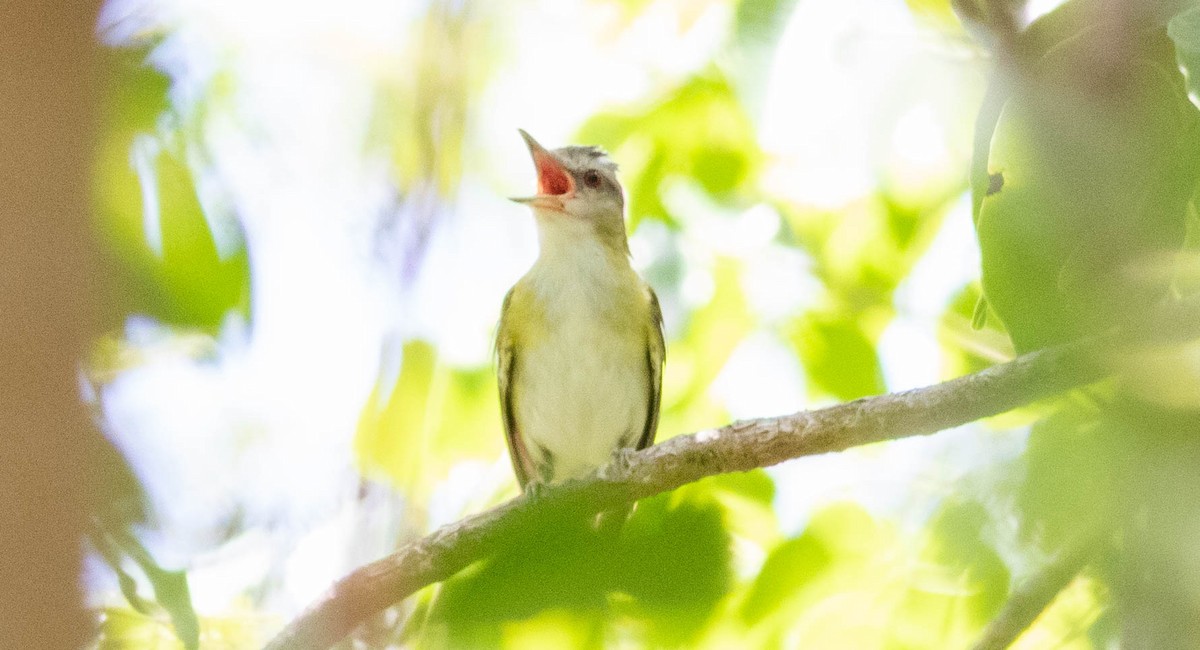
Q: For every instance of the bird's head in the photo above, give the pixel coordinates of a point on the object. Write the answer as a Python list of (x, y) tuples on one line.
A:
[(577, 191)]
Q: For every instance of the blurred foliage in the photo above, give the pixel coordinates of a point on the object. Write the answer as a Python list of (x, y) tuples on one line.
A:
[(698, 132), (663, 575), (712, 333), (410, 448), (421, 108), (172, 596), (1093, 171), (1075, 474), (164, 258), (1087, 160), (861, 254), (122, 629)]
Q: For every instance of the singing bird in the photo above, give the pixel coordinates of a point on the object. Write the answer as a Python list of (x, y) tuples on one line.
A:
[(580, 343)]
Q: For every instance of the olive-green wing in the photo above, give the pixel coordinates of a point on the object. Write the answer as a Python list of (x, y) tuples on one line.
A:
[(506, 369), (656, 353)]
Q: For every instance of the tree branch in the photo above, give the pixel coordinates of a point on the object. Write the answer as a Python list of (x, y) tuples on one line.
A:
[(740, 446), (1033, 596)]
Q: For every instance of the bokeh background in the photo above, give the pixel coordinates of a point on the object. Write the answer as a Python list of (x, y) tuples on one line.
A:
[(304, 240)]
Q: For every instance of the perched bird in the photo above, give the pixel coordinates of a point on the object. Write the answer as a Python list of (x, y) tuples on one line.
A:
[(580, 343)]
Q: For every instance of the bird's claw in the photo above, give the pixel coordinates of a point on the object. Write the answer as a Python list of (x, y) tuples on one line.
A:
[(535, 489), (618, 463)]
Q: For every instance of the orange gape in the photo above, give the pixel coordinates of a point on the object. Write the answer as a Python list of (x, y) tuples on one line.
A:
[(552, 178)]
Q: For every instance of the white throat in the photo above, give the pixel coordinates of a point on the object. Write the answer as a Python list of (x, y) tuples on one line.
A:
[(571, 249)]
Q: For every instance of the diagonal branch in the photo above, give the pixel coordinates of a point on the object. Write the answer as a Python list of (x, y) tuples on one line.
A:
[(1034, 595), (740, 446)]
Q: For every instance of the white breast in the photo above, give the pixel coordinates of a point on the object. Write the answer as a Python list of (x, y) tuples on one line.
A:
[(582, 388)]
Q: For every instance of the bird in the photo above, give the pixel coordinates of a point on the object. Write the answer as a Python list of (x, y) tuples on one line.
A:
[(579, 347)]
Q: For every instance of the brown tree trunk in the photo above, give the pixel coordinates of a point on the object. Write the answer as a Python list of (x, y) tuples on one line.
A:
[(46, 301)]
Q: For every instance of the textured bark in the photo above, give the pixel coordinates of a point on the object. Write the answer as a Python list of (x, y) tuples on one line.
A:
[(740, 446)]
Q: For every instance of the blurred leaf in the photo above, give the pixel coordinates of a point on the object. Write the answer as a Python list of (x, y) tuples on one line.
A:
[(136, 97), (699, 131), (838, 534), (172, 592), (712, 333), (565, 568), (552, 630), (421, 108), (838, 355), (124, 629), (166, 258), (1159, 581), (1093, 166), (1184, 30), (746, 498), (121, 629), (432, 418), (755, 486), (1066, 22), (790, 567), (1058, 26), (668, 570), (761, 21), (959, 586), (162, 251), (937, 13), (968, 349), (115, 542), (863, 254), (958, 543), (387, 443), (865, 250), (677, 564), (1075, 462)]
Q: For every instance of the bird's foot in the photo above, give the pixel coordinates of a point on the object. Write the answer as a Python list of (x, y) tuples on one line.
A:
[(618, 463), (535, 490)]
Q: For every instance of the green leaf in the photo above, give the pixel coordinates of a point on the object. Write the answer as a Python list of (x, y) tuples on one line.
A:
[(712, 334), (1075, 462), (958, 545), (1069, 21), (971, 339), (756, 485), (698, 131), (1095, 164), (937, 13), (979, 314), (842, 533), (792, 566), (668, 569), (171, 592), (164, 257), (759, 21), (1184, 30), (565, 568), (839, 356), (676, 563), (411, 433)]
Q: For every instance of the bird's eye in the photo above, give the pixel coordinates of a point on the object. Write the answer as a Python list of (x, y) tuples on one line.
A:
[(592, 179)]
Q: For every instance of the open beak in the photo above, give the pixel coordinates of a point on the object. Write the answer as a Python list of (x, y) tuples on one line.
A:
[(554, 183)]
